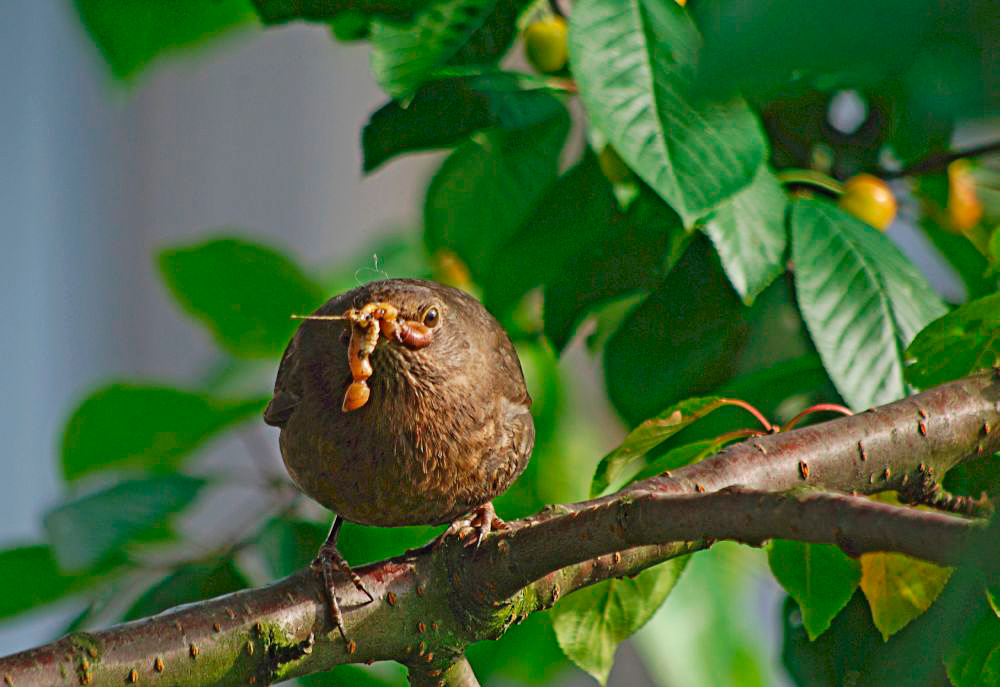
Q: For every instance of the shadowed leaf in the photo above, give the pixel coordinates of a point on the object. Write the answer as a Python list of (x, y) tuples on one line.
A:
[(89, 529), (192, 582), (442, 113)]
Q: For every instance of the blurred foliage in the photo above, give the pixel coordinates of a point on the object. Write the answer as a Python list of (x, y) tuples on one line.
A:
[(698, 263)]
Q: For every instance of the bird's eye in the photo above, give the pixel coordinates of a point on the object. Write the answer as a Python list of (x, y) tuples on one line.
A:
[(431, 316)]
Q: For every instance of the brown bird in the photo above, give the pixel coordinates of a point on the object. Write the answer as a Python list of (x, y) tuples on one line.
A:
[(401, 402)]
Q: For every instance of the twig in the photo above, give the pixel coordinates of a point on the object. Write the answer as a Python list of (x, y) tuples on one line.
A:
[(939, 161)]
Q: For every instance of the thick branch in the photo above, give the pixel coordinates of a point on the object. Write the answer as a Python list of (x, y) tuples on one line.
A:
[(432, 604)]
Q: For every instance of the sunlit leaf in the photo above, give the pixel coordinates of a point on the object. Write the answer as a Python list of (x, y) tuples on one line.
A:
[(404, 54), (629, 456), (130, 33), (957, 344), (592, 622), (820, 577), (748, 232), (245, 293), (634, 63), (899, 588), (861, 300), (151, 427), (87, 530)]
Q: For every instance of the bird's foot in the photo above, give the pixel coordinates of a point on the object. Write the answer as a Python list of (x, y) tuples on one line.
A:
[(473, 528), (327, 562)]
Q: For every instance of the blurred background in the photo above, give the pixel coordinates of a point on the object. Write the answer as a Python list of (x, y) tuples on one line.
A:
[(257, 135)]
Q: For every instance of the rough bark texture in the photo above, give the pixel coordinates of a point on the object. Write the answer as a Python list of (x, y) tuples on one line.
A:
[(431, 604)]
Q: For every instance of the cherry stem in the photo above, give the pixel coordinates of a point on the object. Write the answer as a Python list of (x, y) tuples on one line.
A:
[(818, 408), (740, 434), (768, 427), (810, 177)]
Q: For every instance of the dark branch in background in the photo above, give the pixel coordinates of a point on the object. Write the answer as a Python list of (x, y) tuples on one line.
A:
[(431, 604), (941, 161)]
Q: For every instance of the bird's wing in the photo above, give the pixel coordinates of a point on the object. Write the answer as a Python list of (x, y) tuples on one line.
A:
[(287, 387)]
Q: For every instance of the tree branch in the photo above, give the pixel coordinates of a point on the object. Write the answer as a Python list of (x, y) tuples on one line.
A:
[(940, 161), (430, 604)]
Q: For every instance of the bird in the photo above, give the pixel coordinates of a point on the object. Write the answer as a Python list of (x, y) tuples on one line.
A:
[(401, 402)]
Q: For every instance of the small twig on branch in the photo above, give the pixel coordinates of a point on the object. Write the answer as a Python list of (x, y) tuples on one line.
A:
[(458, 674)]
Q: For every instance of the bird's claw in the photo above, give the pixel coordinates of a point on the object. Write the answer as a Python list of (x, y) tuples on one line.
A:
[(327, 562), (472, 530)]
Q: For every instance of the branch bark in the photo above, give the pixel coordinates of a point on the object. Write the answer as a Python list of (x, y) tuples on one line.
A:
[(430, 604)]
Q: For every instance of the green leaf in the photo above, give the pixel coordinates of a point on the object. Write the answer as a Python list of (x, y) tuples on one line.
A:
[(899, 588), (630, 456), (129, 425), (328, 11), (820, 577), (748, 232), (357, 676), (33, 572), (684, 340), (575, 212), (631, 255), (957, 344), (861, 300), (244, 292), (289, 545), (130, 33), (92, 528), (993, 596), (191, 582), (977, 662), (486, 189), (771, 46), (508, 662), (591, 622), (970, 265), (633, 62), (677, 457), (405, 54), (442, 113)]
